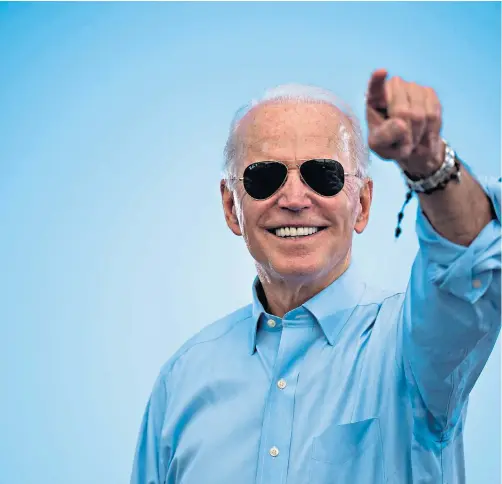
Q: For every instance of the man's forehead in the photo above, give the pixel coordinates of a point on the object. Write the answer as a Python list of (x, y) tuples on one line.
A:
[(280, 118), (293, 129), (268, 145)]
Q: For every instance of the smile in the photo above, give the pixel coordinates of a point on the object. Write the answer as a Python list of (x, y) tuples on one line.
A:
[(295, 232)]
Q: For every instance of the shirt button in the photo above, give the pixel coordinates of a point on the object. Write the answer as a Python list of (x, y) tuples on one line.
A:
[(476, 283), (274, 451), (282, 384), (271, 323)]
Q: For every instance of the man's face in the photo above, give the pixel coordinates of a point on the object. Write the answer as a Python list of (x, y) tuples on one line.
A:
[(293, 133)]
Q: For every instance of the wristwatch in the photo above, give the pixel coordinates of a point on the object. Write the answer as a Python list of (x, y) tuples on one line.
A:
[(449, 170)]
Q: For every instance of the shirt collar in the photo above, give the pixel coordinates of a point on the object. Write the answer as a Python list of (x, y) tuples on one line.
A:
[(331, 308)]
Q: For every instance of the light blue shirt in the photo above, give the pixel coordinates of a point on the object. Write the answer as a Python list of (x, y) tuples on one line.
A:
[(356, 386)]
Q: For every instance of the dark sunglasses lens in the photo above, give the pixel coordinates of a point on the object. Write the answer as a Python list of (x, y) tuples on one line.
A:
[(263, 179), (326, 177)]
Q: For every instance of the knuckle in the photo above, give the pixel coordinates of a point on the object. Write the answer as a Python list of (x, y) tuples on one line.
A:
[(394, 80), (433, 117), (399, 124), (396, 127), (430, 90), (417, 115), (402, 112)]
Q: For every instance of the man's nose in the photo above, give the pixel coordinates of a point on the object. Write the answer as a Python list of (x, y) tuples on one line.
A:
[(294, 195)]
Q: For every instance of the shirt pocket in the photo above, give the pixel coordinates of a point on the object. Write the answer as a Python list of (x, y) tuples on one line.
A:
[(348, 454)]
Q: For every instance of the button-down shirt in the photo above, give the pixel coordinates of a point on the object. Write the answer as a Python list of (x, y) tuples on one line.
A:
[(355, 386)]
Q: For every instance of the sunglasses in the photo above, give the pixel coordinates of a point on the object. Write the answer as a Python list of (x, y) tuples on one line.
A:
[(264, 178)]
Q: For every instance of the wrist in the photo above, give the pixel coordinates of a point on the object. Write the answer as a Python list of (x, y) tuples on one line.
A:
[(437, 180), (448, 170), (425, 170)]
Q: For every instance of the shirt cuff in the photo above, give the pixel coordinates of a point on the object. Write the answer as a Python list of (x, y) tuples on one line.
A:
[(463, 271)]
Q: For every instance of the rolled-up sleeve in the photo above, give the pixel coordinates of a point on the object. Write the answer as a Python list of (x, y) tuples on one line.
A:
[(149, 465), (451, 315)]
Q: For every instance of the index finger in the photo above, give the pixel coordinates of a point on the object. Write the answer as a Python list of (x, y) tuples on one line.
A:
[(376, 90)]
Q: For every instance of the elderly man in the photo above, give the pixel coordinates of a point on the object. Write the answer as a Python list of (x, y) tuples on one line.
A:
[(323, 379)]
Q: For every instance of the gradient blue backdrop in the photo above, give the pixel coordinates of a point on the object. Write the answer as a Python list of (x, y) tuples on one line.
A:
[(113, 247)]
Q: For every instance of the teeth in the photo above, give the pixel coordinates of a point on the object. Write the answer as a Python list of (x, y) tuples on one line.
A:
[(295, 231)]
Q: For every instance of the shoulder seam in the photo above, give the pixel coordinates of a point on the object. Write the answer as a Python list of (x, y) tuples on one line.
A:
[(175, 360)]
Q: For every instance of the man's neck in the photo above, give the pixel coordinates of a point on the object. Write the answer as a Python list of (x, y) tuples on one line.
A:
[(279, 296)]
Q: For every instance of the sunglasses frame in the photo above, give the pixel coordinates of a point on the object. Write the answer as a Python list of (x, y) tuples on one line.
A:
[(297, 165)]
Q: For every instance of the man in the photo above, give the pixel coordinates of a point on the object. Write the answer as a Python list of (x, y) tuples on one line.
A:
[(324, 379)]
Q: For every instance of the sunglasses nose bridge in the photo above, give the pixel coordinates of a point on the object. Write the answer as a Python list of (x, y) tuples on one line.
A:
[(293, 193)]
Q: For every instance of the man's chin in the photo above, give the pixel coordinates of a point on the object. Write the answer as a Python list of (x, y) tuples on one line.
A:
[(297, 269)]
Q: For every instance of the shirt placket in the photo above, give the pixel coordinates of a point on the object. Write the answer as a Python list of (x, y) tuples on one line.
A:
[(279, 408)]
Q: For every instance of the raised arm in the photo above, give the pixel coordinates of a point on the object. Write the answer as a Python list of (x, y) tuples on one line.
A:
[(452, 311), (452, 314)]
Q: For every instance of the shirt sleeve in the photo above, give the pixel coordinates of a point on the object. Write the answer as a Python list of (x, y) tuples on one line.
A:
[(149, 466), (451, 316)]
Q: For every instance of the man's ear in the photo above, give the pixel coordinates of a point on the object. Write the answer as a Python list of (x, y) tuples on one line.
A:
[(365, 198), (229, 209)]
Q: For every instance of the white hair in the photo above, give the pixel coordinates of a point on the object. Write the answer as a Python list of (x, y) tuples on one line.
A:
[(299, 93)]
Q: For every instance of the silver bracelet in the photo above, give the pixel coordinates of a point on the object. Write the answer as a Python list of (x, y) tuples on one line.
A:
[(448, 170)]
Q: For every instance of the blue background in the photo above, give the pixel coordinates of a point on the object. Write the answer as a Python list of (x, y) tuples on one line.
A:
[(113, 246)]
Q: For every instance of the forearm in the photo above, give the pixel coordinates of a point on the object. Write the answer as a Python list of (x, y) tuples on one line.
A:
[(460, 211), (452, 307)]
